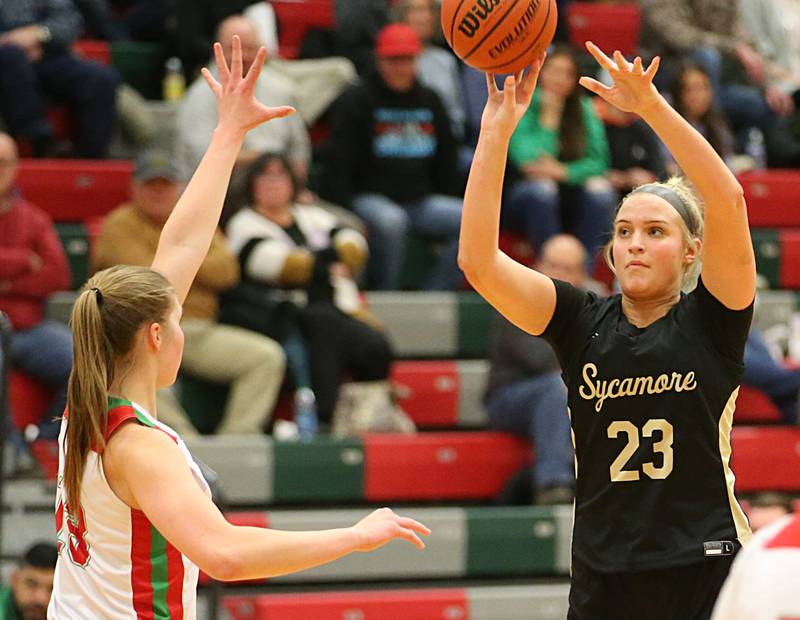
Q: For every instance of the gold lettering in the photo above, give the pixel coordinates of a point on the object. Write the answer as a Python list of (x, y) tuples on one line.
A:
[(589, 371), (689, 383), (626, 387), (662, 384), (643, 385)]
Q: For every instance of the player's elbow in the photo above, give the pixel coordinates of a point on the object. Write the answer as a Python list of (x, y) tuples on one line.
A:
[(223, 565), (468, 265)]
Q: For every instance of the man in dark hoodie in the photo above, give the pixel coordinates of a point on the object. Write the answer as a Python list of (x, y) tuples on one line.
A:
[(394, 161)]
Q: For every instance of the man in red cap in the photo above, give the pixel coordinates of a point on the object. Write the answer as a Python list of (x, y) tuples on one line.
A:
[(394, 162)]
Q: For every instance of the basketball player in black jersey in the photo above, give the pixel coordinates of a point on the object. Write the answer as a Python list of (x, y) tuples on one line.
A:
[(653, 373)]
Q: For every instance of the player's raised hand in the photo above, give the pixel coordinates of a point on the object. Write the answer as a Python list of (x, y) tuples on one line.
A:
[(383, 525), (237, 105), (504, 108), (633, 89)]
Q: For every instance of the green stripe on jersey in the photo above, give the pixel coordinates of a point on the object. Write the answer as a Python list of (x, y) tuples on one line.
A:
[(160, 574)]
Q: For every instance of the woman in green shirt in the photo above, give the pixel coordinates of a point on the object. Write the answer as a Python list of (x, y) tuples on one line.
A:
[(561, 152)]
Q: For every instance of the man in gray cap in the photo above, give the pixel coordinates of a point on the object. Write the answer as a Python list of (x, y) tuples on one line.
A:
[(252, 364)]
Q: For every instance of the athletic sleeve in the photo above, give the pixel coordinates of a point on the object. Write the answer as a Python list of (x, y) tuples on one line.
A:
[(571, 320), (727, 329)]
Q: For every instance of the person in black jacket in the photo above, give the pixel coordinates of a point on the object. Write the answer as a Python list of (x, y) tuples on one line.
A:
[(394, 161)]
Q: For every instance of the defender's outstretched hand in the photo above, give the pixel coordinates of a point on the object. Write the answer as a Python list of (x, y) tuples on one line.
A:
[(383, 525), (504, 108), (238, 108), (633, 89)]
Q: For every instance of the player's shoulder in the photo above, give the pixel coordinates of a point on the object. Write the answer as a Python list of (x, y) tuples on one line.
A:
[(783, 534)]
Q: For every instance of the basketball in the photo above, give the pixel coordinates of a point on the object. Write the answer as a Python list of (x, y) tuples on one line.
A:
[(499, 36)]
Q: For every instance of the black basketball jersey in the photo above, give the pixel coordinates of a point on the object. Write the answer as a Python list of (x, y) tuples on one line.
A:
[(651, 416)]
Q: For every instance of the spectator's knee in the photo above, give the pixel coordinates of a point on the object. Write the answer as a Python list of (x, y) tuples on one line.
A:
[(12, 55), (269, 354)]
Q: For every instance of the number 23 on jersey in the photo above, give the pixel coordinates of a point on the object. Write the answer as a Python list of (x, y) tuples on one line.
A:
[(663, 446)]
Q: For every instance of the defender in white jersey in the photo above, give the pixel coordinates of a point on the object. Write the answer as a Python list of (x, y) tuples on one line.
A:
[(763, 583), (134, 516), (122, 568)]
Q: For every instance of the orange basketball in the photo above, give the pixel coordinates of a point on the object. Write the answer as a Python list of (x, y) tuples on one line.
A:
[(499, 36)]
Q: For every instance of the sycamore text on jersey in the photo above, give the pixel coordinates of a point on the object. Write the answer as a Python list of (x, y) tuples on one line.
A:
[(631, 386)]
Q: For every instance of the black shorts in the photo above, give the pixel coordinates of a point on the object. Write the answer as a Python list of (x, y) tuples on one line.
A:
[(675, 593)]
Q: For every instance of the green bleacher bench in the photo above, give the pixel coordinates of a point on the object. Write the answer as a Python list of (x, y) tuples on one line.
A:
[(510, 541), (141, 65), (448, 466), (75, 240)]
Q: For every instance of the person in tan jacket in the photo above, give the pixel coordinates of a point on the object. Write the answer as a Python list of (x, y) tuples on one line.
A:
[(252, 364)]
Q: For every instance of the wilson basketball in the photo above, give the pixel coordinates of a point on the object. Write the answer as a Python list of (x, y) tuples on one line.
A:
[(499, 36)]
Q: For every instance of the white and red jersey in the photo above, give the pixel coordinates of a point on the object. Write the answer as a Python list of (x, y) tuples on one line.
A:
[(113, 564), (764, 583)]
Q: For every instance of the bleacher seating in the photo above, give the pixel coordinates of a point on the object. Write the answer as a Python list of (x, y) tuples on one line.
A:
[(296, 17), (610, 26), (452, 469)]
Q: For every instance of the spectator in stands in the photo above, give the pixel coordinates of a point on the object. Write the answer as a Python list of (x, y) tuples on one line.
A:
[(31, 584), (525, 394), (781, 385), (99, 20), (32, 266), (250, 363), (637, 157), (692, 96), (299, 253), (357, 23), (315, 82), (560, 149), (437, 68), (775, 27), (766, 508), (711, 32), (36, 67), (393, 159), (197, 116)]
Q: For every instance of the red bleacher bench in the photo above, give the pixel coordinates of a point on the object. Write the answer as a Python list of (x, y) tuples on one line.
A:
[(430, 466), (773, 198), (90, 49), (296, 17), (73, 190), (766, 459), (428, 392), (755, 407), (790, 254), (29, 399), (432, 604), (609, 26)]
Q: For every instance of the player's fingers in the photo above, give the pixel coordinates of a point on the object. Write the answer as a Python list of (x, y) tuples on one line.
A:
[(638, 69), (414, 525), (603, 60), (510, 90), (216, 87), (654, 65), (621, 62), (255, 69), (236, 58), (598, 88), (222, 64), (491, 85), (410, 536), (280, 112)]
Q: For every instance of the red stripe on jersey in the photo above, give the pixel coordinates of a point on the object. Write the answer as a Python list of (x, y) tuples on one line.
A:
[(116, 416), (175, 590), (789, 536), (141, 569)]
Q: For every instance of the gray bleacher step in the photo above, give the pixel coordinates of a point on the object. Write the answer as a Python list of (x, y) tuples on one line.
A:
[(534, 602), (472, 376), (244, 465), (422, 324)]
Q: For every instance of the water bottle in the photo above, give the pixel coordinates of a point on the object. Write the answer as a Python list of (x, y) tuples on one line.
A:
[(174, 81), (305, 413), (756, 148)]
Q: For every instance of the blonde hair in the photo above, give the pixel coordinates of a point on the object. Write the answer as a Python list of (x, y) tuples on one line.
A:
[(696, 210), (107, 314)]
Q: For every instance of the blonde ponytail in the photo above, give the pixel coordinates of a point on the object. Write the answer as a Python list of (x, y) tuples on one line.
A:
[(110, 309)]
